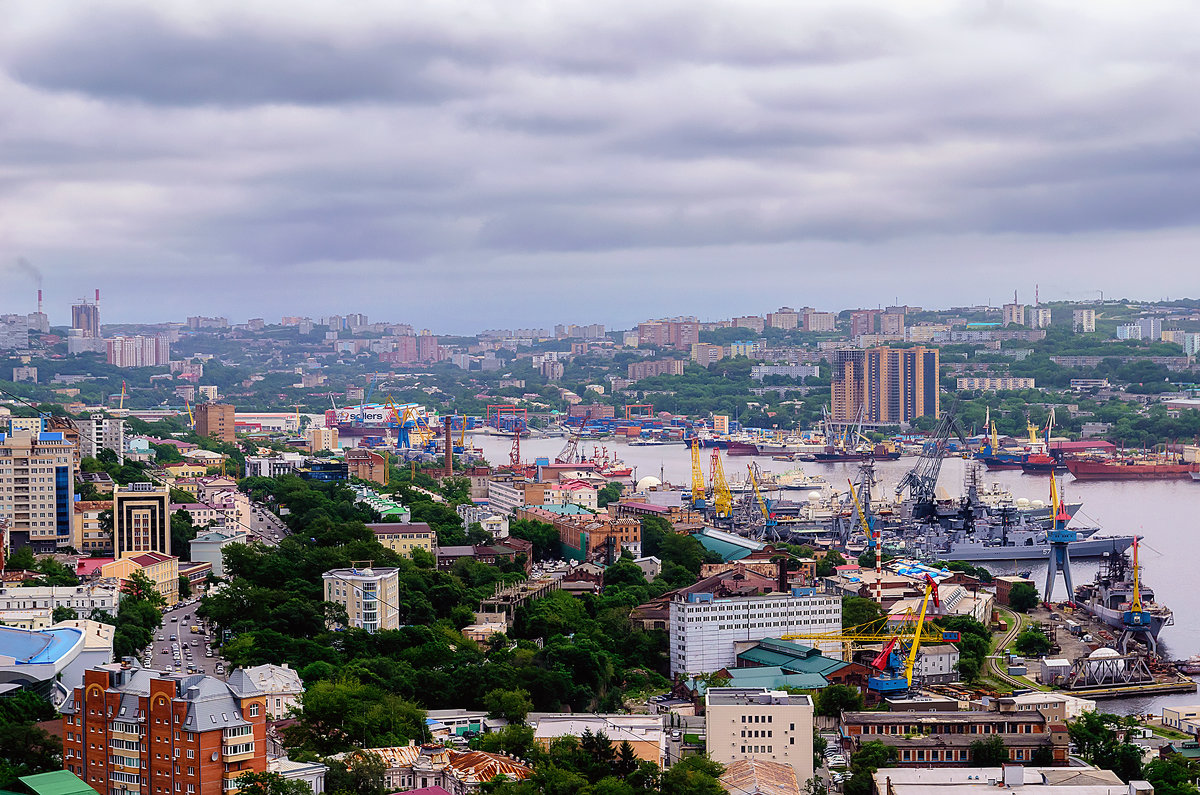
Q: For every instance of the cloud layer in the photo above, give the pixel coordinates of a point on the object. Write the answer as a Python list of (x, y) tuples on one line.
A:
[(463, 164)]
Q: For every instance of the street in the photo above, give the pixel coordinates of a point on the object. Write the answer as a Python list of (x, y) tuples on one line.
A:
[(265, 525), (188, 652)]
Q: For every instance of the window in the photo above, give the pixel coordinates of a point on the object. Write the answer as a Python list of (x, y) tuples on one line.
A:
[(254, 710)]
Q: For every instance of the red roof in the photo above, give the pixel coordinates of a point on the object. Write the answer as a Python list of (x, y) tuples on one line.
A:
[(86, 567), (151, 558)]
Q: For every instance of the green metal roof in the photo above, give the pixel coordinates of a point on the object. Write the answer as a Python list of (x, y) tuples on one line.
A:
[(58, 782), (775, 678), (728, 552)]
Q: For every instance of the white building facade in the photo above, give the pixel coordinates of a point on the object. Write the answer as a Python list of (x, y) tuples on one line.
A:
[(756, 723), (704, 629)]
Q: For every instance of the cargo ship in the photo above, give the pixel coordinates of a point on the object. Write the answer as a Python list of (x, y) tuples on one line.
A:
[(879, 452), (733, 447), (1130, 469)]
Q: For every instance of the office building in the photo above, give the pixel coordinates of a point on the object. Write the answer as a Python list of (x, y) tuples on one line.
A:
[(139, 351), (885, 385), (216, 420), (756, 723), (37, 489), (130, 730), (704, 626), (141, 519), (369, 595), (102, 433), (1083, 321)]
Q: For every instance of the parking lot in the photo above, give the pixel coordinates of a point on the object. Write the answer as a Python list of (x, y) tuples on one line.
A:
[(176, 648)]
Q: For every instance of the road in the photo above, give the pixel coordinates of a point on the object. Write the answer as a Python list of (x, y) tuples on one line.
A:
[(179, 621), (265, 526)]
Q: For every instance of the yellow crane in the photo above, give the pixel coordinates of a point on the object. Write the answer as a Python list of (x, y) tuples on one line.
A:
[(122, 406), (698, 490), (762, 504), (191, 419), (722, 496), (862, 517)]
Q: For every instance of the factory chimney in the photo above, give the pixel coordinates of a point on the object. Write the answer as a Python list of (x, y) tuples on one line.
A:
[(449, 472)]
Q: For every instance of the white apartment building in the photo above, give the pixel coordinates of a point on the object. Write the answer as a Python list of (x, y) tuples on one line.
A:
[(37, 489), (757, 723), (83, 599), (102, 433), (504, 498), (282, 686), (369, 595), (704, 629), (1083, 321)]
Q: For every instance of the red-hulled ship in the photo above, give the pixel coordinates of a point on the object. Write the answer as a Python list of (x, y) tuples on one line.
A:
[(1129, 469)]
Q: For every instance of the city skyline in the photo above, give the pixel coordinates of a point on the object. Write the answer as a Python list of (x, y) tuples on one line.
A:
[(480, 162)]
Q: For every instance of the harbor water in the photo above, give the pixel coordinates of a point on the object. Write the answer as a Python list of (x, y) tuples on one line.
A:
[(1158, 511)]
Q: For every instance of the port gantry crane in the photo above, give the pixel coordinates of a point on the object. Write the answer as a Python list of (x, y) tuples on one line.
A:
[(699, 493), (571, 449), (769, 521), (896, 663), (921, 480), (722, 496)]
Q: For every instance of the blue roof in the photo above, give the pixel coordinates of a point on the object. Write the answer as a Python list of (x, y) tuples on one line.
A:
[(38, 647)]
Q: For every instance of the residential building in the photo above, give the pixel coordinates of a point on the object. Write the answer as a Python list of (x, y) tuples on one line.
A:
[(552, 370), (369, 595), (139, 351), (1129, 331), (206, 547), (37, 489), (102, 433), (127, 729), (1083, 321), (784, 318), (760, 371), (367, 464), (863, 322), (162, 570), (644, 732), (83, 599), (21, 374), (933, 738), (937, 665), (427, 767), (678, 333), (756, 723), (891, 323), (141, 519), (571, 492), (820, 321), (87, 533), (649, 369), (747, 348), (403, 538), (1150, 327), (885, 385), (86, 317), (752, 322), (1054, 707), (1013, 314), (321, 439), (705, 626), (215, 419), (704, 353), (208, 392), (1042, 317), (994, 384), (311, 773), (280, 685), (1082, 780)]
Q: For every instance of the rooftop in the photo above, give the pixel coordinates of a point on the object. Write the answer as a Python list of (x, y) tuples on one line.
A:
[(754, 696)]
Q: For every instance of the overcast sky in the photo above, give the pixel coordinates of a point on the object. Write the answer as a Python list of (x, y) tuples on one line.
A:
[(462, 165)]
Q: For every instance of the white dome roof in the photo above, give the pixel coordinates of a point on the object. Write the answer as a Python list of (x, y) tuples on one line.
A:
[(814, 496), (647, 483), (1104, 652)]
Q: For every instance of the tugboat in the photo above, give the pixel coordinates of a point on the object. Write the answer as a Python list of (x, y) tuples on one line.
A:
[(1124, 603)]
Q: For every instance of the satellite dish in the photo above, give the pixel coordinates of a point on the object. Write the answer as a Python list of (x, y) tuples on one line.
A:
[(215, 755)]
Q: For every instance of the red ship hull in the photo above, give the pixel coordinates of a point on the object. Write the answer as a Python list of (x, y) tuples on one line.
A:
[(1114, 470)]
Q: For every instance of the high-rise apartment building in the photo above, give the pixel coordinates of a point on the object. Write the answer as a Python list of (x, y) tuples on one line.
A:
[(367, 464), (820, 321), (1042, 317), (141, 519), (640, 370), (130, 731), (752, 322), (37, 489), (102, 433), (1013, 314), (216, 420), (369, 595), (139, 351), (86, 317), (679, 333), (863, 322), (891, 323), (1083, 321), (784, 318), (885, 385), (757, 723)]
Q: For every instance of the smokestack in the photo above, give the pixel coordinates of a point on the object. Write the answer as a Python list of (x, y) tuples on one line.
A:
[(449, 447), (39, 300), (97, 296)]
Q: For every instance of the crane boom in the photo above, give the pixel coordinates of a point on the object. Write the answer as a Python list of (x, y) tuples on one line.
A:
[(762, 504), (698, 490), (930, 588), (722, 496), (921, 480)]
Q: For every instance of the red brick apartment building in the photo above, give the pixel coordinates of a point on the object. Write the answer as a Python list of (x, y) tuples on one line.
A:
[(130, 730)]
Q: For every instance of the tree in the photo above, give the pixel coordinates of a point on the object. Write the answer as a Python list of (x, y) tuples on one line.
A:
[(989, 753), (358, 773), (611, 492), (22, 560), (1023, 597), (1103, 740), (271, 784), (63, 613), (1032, 642), (141, 588), (870, 757), (827, 564), (835, 699), (858, 610), (512, 705), (693, 775), (1174, 774), (185, 586)]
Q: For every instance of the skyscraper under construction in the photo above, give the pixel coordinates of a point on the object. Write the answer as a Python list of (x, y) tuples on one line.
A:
[(885, 385)]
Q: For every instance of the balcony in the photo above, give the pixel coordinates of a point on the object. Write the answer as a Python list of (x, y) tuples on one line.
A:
[(238, 753), (230, 784)]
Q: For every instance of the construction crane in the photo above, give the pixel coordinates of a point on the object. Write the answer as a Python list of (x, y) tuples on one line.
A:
[(921, 480), (699, 493), (122, 404), (722, 496), (768, 520), (571, 448), (191, 418)]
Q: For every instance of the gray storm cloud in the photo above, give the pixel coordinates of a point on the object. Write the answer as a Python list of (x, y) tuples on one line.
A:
[(704, 157)]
